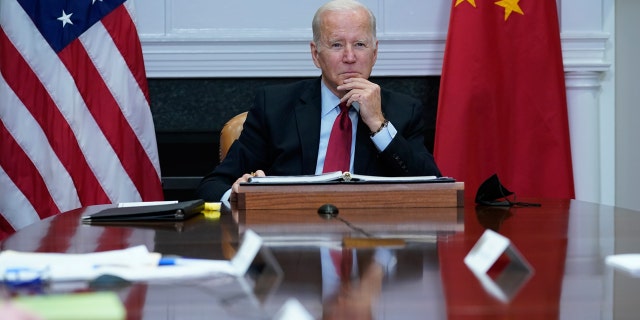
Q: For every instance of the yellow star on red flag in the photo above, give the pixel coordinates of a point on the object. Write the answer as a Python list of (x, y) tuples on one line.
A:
[(509, 6), (472, 2)]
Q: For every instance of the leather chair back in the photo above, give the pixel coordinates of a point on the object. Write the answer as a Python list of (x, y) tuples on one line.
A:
[(230, 133)]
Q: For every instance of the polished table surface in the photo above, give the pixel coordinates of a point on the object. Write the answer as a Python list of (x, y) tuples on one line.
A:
[(421, 275)]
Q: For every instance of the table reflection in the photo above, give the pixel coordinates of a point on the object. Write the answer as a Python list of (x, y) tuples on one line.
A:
[(564, 241)]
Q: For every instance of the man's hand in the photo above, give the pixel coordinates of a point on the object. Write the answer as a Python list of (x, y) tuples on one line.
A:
[(245, 178), (367, 94)]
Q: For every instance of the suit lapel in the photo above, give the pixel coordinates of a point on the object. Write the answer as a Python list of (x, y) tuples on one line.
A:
[(308, 122)]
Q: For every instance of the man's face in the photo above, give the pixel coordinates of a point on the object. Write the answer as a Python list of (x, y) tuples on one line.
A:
[(346, 48)]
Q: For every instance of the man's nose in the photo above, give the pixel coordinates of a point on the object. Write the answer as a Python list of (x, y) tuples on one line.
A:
[(349, 54)]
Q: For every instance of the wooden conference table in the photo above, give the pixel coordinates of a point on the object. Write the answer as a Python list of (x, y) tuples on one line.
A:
[(423, 277)]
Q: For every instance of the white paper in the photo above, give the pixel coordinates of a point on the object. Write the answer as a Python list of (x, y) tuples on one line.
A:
[(251, 244), (486, 251), (337, 176), (629, 262), (133, 264), (325, 177), (145, 203), (293, 310), (483, 256), (68, 266), (507, 284)]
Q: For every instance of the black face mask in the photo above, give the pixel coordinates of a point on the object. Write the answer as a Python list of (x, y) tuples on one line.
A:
[(492, 193)]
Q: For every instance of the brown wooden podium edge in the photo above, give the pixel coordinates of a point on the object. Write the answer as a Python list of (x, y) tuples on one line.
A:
[(241, 197)]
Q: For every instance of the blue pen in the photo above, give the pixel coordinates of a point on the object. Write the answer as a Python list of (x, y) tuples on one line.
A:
[(167, 261), (219, 265), (23, 277), (175, 261)]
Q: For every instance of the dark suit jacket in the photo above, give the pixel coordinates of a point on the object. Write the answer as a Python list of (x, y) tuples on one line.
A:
[(282, 133)]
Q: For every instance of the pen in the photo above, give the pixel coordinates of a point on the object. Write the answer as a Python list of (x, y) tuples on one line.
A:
[(174, 261), (24, 277), (177, 261)]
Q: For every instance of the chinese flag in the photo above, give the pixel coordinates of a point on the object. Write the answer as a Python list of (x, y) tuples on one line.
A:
[(502, 105)]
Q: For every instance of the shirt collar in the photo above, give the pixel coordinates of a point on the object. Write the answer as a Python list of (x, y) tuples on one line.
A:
[(329, 100)]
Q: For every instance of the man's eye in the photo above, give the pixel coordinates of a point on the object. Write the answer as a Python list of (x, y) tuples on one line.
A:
[(336, 45), (361, 45)]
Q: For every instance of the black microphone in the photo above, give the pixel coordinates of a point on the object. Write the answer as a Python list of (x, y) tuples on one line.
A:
[(328, 211)]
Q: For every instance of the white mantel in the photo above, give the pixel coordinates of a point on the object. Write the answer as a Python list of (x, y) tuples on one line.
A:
[(204, 38)]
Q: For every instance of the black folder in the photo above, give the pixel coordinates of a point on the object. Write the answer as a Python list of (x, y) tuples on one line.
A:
[(179, 211)]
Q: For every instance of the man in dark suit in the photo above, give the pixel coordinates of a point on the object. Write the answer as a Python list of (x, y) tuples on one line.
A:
[(287, 130)]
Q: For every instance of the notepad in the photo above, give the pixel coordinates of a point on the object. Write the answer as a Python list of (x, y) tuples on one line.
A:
[(339, 176), (165, 212)]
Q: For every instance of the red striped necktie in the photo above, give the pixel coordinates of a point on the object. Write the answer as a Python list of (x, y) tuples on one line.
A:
[(343, 263)]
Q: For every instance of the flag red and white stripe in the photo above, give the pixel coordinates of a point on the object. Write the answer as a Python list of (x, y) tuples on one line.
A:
[(75, 123)]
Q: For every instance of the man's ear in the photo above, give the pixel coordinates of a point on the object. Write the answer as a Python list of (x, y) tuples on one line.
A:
[(314, 53), (375, 53)]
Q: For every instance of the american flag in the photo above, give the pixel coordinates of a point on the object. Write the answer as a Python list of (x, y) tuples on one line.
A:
[(75, 123)]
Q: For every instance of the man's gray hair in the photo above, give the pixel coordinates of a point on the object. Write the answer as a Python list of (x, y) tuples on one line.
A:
[(340, 5)]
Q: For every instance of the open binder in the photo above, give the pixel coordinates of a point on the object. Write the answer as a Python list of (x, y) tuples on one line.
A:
[(179, 211), (343, 177)]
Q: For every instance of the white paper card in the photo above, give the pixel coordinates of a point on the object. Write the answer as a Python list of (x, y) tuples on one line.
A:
[(145, 203), (489, 248), (293, 310), (486, 251), (133, 264), (507, 284), (629, 262), (251, 243)]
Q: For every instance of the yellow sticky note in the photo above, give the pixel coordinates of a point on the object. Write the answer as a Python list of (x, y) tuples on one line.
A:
[(211, 214), (87, 305), (212, 206)]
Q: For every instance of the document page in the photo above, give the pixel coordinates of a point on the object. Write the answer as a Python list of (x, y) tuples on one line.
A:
[(340, 176)]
